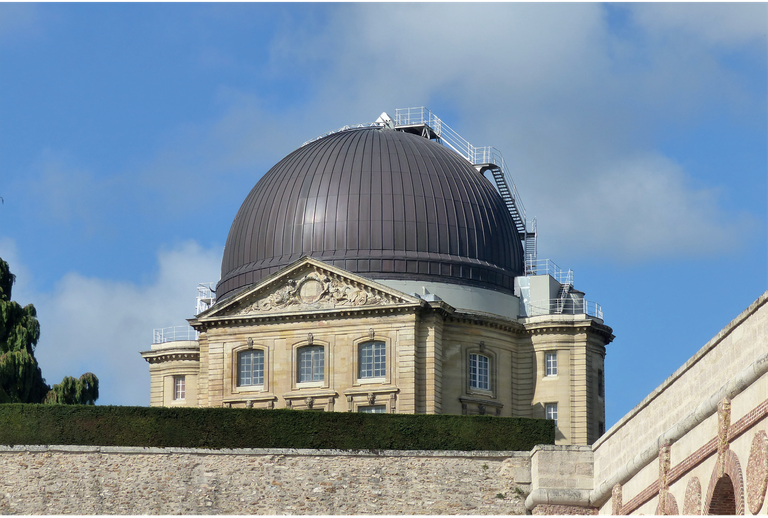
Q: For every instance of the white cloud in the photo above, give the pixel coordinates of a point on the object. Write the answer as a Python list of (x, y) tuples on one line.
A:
[(571, 103), (727, 24), (100, 325)]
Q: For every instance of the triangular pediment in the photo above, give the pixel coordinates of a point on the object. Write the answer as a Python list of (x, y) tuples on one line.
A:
[(308, 285)]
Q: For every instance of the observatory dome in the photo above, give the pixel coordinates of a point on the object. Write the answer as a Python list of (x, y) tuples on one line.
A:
[(381, 203)]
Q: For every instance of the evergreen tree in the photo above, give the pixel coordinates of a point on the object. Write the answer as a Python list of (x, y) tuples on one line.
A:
[(21, 380), (71, 391)]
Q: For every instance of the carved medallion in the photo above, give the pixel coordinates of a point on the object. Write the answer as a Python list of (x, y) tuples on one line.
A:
[(315, 291), (310, 291)]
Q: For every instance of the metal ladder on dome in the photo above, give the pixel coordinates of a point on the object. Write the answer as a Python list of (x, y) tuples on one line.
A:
[(421, 121), (565, 290)]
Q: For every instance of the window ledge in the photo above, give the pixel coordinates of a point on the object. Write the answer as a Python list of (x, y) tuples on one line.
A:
[(248, 389), (369, 381), (486, 402), (366, 390)]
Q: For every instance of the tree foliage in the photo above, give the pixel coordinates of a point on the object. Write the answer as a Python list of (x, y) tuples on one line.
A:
[(21, 380), (71, 391)]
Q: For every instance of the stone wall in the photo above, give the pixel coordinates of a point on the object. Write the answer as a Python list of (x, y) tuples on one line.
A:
[(112, 480), (739, 344)]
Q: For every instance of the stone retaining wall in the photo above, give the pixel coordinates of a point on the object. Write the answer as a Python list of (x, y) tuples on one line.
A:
[(112, 480)]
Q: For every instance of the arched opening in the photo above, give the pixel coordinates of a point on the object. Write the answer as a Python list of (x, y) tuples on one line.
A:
[(723, 498)]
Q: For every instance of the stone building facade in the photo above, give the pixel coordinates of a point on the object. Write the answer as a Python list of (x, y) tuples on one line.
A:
[(696, 446), (374, 270)]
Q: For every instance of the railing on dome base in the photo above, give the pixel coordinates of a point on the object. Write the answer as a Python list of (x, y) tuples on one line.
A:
[(173, 334), (556, 307)]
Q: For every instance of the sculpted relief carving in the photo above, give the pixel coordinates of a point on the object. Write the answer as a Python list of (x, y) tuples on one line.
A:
[(314, 291)]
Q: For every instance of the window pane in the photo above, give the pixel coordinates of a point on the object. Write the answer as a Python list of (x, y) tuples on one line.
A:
[(311, 364), (250, 368), (373, 360), (179, 387), (375, 409), (551, 364), (551, 412), (478, 372)]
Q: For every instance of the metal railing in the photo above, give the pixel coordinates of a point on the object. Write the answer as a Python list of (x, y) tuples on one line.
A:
[(556, 306), (345, 128), (548, 267), (206, 296), (173, 334)]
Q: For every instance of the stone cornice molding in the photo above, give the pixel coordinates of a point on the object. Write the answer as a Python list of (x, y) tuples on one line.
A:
[(481, 401), (322, 393), (326, 285), (170, 355), (570, 327), (334, 314), (486, 320), (357, 391)]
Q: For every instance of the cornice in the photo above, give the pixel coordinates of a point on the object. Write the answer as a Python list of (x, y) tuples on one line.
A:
[(170, 356), (209, 323), (486, 320), (574, 326)]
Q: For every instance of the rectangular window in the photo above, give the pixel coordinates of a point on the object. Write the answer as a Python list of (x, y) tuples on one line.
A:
[(250, 368), (179, 387), (478, 372), (551, 411), (311, 364), (550, 361), (375, 409), (373, 360), (600, 428)]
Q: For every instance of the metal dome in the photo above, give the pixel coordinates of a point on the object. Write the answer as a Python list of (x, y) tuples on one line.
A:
[(378, 202)]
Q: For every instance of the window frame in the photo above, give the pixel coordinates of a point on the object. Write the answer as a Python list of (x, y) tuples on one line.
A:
[(550, 368), (357, 344), (234, 369), (361, 409), (295, 364), (478, 374), (359, 368), (548, 408), (180, 395), (492, 356), (238, 371), (314, 368)]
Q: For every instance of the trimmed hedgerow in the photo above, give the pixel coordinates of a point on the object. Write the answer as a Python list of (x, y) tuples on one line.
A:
[(27, 424)]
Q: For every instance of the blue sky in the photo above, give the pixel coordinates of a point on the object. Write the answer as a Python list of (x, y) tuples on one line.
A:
[(130, 134)]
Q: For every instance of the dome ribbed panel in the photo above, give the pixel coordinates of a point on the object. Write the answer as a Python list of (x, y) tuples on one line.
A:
[(381, 203)]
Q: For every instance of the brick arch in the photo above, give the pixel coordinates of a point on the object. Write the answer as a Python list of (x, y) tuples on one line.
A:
[(725, 495)]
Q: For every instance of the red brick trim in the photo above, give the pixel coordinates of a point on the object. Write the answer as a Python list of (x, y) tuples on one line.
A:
[(732, 469), (744, 424)]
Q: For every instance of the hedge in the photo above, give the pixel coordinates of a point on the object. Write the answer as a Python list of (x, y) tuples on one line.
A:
[(27, 424)]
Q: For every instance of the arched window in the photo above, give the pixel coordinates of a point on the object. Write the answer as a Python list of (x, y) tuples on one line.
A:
[(372, 360), (250, 368), (311, 363), (479, 369)]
